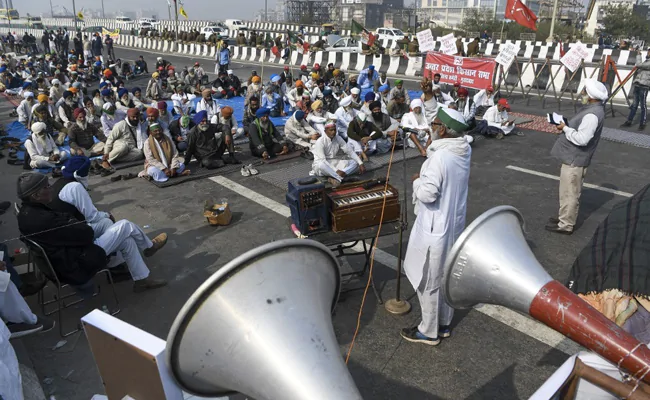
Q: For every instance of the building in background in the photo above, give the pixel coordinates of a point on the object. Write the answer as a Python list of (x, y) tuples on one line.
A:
[(369, 13), (595, 12), (450, 13)]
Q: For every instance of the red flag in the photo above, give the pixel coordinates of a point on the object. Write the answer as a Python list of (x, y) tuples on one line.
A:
[(275, 51), (517, 11)]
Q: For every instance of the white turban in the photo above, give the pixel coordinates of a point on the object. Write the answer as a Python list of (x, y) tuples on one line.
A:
[(159, 58), (107, 105), (416, 103), (56, 82), (229, 72), (355, 90), (38, 127), (361, 116), (28, 94), (435, 87), (596, 89), (346, 101)]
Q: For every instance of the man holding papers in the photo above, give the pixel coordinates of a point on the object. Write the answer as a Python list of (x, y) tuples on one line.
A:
[(574, 148)]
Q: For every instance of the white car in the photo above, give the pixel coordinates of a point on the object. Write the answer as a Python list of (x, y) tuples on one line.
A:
[(236, 25), (345, 45), (390, 33), (150, 21), (208, 31), (123, 20)]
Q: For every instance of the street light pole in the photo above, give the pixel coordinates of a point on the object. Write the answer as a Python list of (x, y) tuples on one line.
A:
[(103, 13), (266, 10), (176, 18), (51, 9), (74, 12), (550, 35)]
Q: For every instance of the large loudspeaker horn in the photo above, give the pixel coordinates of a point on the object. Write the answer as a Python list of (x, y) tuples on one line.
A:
[(492, 263), (262, 326)]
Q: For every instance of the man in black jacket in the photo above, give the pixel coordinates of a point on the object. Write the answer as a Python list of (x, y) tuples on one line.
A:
[(265, 140), (180, 129), (207, 142), (70, 242)]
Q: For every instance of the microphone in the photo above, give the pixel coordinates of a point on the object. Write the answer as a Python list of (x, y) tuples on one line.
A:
[(374, 182)]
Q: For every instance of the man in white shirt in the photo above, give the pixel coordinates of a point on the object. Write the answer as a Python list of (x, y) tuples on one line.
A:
[(344, 116), (42, 151), (417, 125), (496, 121), (208, 104), (574, 148), (24, 109), (484, 99), (298, 131), (327, 161)]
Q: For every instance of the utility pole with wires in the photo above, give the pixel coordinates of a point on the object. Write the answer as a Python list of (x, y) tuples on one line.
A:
[(176, 18)]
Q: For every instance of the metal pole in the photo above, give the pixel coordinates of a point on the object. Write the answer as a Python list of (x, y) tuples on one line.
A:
[(51, 9), (8, 16), (397, 305), (74, 12), (266, 10), (494, 12), (550, 35), (169, 10), (176, 18), (103, 13)]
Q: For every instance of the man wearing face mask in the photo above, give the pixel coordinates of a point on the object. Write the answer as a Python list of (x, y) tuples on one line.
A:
[(82, 136), (574, 148), (126, 140), (41, 151), (344, 116), (206, 142), (24, 109)]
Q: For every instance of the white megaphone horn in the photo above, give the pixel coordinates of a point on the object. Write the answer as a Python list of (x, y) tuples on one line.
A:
[(262, 326)]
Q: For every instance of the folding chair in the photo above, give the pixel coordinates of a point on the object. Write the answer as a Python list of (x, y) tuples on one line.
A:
[(41, 261)]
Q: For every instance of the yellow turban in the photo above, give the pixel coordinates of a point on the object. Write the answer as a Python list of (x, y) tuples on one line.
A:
[(337, 72), (42, 98), (316, 105)]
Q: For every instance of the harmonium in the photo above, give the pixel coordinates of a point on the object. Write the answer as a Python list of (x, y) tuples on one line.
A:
[(360, 204)]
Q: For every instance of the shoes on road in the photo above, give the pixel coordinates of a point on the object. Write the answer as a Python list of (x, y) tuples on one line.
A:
[(553, 220), (444, 331), (642, 127), (22, 329), (148, 284), (413, 335), (626, 123), (556, 229), (158, 243)]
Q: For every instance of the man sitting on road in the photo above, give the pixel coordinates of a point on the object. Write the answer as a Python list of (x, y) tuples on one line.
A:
[(82, 136), (273, 102), (24, 109), (466, 106), (41, 151), (327, 160), (126, 140), (182, 101), (344, 116), (179, 129), (206, 142), (484, 99), (161, 157), (399, 89), (367, 77), (363, 136), (496, 122), (265, 140), (234, 83), (70, 243), (388, 126), (153, 117), (318, 117), (110, 117), (397, 107), (416, 124), (208, 105), (298, 131)]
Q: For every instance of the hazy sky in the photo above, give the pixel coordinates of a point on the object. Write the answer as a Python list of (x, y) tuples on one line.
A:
[(196, 9)]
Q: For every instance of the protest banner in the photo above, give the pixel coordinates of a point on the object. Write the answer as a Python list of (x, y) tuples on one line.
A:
[(573, 58), (476, 73), (426, 41), (448, 44), (507, 55)]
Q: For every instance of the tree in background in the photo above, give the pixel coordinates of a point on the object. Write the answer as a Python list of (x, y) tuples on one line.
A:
[(621, 22), (478, 20)]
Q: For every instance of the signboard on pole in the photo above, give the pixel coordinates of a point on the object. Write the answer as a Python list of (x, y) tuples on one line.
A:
[(448, 44), (426, 41), (507, 54), (476, 73), (573, 58)]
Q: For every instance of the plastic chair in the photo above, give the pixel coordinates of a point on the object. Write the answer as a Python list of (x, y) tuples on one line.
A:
[(39, 258)]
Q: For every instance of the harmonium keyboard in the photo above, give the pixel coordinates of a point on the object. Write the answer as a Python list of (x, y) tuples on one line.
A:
[(357, 205)]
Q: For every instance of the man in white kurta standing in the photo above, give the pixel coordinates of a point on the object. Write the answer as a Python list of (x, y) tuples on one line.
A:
[(440, 197)]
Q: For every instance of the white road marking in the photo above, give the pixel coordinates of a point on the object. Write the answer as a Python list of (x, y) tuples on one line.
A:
[(517, 321), (557, 178)]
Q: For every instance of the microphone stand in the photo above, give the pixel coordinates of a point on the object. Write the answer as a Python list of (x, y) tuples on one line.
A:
[(399, 306)]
